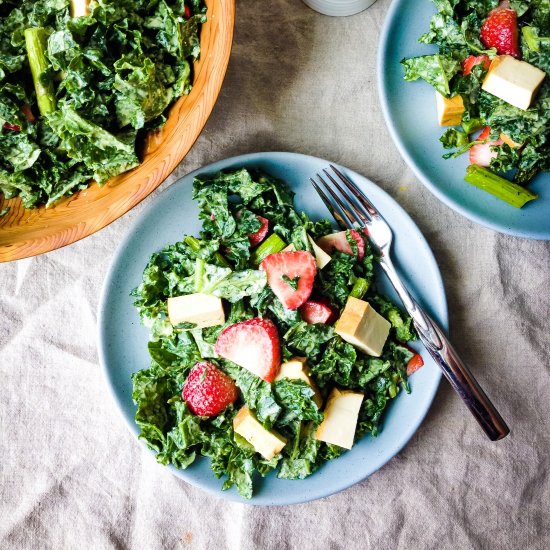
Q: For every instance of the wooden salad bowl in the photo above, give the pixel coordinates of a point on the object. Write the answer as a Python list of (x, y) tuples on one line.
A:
[(28, 232)]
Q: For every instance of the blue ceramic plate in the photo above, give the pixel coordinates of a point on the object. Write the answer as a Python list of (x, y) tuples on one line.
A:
[(123, 342), (410, 113)]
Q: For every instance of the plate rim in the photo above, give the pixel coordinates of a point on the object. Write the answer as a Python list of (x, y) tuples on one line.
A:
[(108, 284), (383, 45)]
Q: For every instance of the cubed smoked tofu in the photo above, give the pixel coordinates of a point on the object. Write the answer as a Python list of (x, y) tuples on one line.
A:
[(340, 422), (321, 257), (449, 110), (296, 369), (266, 442), (514, 81), (509, 141), (79, 8), (363, 327), (203, 310)]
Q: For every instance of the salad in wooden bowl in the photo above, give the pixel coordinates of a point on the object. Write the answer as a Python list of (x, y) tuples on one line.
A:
[(99, 102)]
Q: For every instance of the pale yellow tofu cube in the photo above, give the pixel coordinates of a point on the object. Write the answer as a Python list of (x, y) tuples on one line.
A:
[(296, 369), (79, 8), (449, 110), (514, 81), (203, 310), (340, 422), (321, 257), (509, 141), (266, 442), (363, 327)]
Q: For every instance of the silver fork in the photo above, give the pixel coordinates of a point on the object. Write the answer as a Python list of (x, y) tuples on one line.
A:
[(352, 209)]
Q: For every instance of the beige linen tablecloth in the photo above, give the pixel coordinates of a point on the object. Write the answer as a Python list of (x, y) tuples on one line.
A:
[(71, 475)]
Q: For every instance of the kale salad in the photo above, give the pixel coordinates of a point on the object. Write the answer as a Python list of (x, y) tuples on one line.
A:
[(492, 89), (270, 345), (81, 81)]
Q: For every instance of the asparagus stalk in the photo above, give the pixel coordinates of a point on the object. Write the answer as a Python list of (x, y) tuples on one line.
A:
[(271, 245), (195, 245), (35, 39), (502, 188), (360, 288), (199, 274)]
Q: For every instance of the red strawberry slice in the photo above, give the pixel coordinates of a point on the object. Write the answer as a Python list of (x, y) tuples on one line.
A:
[(253, 345), (481, 153), (12, 127), (500, 30), (27, 112), (318, 310), (290, 276), (256, 238), (484, 134), (415, 362), (186, 12), (339, 241), (472, 60), (207, 390)]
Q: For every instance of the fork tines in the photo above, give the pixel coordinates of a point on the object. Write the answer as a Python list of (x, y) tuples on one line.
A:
[(349, 206)]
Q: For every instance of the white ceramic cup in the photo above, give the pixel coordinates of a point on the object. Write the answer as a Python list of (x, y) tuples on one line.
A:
[(339, 7)]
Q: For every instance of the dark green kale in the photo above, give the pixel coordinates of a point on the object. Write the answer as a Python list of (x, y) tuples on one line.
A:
[(437, 70), (455, 28), (220, 264), (112, 74)]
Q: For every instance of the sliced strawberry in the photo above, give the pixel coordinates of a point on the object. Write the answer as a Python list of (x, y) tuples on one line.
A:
[(484, 134), (27, 111), (12, 127), (256, 238), (290, 276), (481, 153), (207, 390), (472, 60), (253, 345), (339, 241), (318, 310), (415, 362), (500, 30)]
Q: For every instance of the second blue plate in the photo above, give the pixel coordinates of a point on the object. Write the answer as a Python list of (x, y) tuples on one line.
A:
[(410, 113)]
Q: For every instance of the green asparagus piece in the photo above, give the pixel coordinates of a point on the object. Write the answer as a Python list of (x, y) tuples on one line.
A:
[(502, 188), (199, 274), (531, 38), (195, 245), (36, 42), (360, 288), (271, 245)]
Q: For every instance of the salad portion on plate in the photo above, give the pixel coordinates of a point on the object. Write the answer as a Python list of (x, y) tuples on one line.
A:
[(81, 82), (491, 89), (271, 347)]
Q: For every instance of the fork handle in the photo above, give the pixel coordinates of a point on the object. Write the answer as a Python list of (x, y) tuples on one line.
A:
[(462, 380), (446, 357)]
